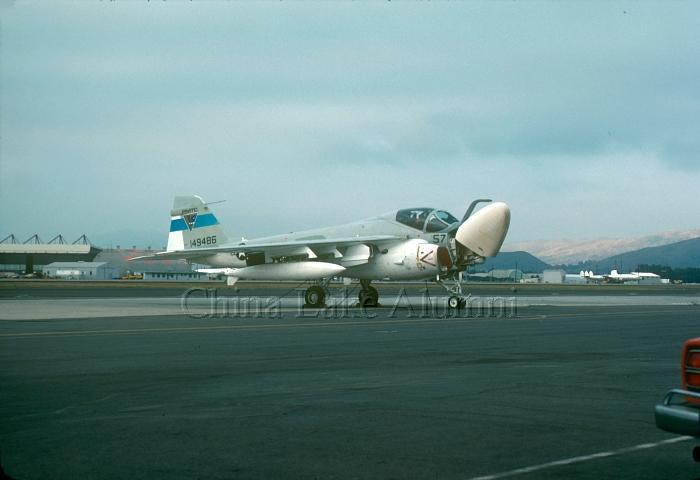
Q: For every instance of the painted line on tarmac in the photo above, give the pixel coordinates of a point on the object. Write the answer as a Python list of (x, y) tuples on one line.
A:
[(581, 459), (270, 326), (263, 326)]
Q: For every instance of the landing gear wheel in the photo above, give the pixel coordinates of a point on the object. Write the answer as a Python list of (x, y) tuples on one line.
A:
[(456, 302), (314, 297), (696, 454), (368, 297)]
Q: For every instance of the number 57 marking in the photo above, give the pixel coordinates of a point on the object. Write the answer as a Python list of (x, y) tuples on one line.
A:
[(439, 237)]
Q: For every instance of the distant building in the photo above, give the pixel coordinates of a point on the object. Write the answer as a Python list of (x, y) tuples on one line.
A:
[(531, 278), (33, 253), (80, 271), (575, 279), (497, 275), (650, 281), (176, 277), (506, 274), (121, 260), (553, 276)]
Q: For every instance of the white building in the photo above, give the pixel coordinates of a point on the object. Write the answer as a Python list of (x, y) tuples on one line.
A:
[(575, 279), (177, 277), (553, 276), (80, 271)]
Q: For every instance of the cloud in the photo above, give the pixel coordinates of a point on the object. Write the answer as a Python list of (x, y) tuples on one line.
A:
[(306, 115)]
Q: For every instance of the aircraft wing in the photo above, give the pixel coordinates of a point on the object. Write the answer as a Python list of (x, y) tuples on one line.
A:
[(277, 248)]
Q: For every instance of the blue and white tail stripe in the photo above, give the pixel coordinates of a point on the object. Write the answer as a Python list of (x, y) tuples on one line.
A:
[(178, 224), (193, 224)]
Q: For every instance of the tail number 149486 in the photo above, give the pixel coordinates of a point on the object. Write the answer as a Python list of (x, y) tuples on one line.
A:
[(200, 242)]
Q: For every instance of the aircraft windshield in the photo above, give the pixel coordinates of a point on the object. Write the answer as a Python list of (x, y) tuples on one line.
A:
[(446, 217), (416, 218), (439, 221), (413, 217)]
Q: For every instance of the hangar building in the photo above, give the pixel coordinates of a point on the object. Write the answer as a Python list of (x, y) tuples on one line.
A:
[(23, 257)]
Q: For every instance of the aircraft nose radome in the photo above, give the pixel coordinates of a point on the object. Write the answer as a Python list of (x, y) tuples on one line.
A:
[(483, 233)]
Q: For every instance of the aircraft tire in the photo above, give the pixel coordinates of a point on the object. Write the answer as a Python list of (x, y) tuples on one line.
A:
[(455, 302), (368, 297), (314, 297)]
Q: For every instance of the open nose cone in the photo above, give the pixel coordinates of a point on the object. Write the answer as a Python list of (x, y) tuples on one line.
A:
[(483, 233)]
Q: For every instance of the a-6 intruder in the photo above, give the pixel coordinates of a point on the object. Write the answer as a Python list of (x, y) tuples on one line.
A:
[(406, 244)]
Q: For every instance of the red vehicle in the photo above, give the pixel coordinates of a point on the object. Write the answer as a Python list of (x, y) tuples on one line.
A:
[(680, 410)]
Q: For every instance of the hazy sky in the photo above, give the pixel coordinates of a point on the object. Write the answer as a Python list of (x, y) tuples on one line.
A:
[(584, 117)]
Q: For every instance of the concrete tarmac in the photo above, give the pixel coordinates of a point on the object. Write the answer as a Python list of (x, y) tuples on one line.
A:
[(542, 392), (56, 289)]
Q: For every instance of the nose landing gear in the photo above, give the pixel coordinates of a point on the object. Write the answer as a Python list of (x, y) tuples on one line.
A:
[(457, 300)]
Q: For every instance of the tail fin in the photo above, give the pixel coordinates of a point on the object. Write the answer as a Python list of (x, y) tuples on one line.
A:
[(193, 225)]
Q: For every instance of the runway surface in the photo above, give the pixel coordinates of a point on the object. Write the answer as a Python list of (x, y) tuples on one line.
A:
[(55, 289), (539, 392)]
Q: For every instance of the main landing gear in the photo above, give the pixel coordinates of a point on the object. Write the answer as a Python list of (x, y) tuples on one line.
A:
[(315, 296), (368, 296), (453, 286)]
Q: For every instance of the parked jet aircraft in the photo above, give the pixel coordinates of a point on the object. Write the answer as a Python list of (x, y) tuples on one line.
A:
[(406, 244), (591, 276), (615, 276)]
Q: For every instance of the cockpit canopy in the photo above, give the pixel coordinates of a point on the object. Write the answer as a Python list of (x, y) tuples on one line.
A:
[(426, 219)]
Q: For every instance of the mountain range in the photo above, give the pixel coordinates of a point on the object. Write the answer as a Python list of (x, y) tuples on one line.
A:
[(523, 261), (681, 254), (560, 252)]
